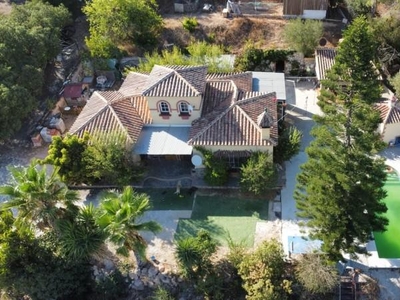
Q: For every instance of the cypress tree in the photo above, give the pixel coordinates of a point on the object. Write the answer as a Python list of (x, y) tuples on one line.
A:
[(340, 187)]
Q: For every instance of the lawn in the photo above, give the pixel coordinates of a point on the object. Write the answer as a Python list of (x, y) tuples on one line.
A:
[(225, 216), (166, 199)]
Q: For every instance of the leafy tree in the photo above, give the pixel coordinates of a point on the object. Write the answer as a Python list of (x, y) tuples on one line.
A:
[(361, 7), (200, 53), (263, 273), (315, 274), (258, 174), (29, 39), (119, 216), (256, 59), (108, 158), (216, 172), (81, 237), (39, 198), (102, 157), (303, 36), (68, 155), (395, 81), (113, 23), (340, 188), (13, 98), (28, 265), (289, 144)]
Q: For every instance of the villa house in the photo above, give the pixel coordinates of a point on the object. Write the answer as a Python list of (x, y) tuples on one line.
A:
[(170, 111), (389, 109)]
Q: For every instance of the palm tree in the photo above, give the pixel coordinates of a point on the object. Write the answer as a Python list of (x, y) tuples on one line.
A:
[(119, 216), (82, 237), (39, 198)]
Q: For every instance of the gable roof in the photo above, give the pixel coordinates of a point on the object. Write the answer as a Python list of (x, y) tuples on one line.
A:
[(389, 114), (176, 81), (108, 111), (324, 61), (242, 80), (134, 84), (235, 125)]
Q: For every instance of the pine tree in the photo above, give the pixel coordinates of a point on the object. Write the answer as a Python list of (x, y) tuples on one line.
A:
[(340, 187)]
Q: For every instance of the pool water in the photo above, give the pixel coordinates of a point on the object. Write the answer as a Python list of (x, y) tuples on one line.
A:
[(388, 242)]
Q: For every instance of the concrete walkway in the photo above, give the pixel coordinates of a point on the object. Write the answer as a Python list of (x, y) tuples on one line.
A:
[(302, 105)]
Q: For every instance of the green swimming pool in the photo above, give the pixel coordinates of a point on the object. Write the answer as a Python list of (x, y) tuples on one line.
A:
[(388, 242)]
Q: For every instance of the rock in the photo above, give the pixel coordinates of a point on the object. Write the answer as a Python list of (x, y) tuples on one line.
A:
[(138, 285), (133, 276), (151, 285), (173, 282), (152, 272), (143, 272), (108, 265), (180, 279), (166, 281), (157, 280), (95, 271), (162, 269)]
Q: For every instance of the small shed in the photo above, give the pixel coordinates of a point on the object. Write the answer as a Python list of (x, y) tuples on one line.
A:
[(308, 9), (75, 94)]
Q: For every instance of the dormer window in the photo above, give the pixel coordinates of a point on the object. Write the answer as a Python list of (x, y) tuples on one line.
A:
[(183, 108), (164, 108)]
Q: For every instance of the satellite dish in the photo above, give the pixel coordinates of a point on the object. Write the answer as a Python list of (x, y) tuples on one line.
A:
[(197, 160)]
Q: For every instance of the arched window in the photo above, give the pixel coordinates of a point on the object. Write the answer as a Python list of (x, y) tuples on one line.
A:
[(164, 108), (184, 108)]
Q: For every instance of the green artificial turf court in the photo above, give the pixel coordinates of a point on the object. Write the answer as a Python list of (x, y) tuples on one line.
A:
[(225, 216), (388, 242)]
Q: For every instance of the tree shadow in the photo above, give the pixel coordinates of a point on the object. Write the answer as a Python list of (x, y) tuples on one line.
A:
[(190, 228)]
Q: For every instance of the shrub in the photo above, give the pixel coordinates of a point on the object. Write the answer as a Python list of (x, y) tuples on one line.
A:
[(315, 274), (263, 273), (289, 144), (111, 287), (190, 24), (303, 36), (216, 169), (258, 173)]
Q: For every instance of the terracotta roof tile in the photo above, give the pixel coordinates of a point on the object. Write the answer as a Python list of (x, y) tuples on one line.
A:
[(324, 60), (243, 80), (383, 109), (108, 111), (394, 116), (134, 84), (176, 81), (236, 125), (218, 94)]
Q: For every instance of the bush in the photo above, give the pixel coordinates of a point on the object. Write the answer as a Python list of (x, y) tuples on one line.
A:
[(303, 36), (315, 274), (216, 173), (263, 273), (395, 82), (258, 173), (289, 144), (190, 24), (29, 267), (111, 287)]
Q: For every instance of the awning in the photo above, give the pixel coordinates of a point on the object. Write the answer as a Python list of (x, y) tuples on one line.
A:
[(233, 153), (163, 140)]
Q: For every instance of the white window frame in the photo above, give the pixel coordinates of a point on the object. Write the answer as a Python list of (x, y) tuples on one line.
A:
[(164, 108), (182, 110)]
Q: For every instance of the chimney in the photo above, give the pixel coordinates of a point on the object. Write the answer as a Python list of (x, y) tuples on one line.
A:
[(265, 121)]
